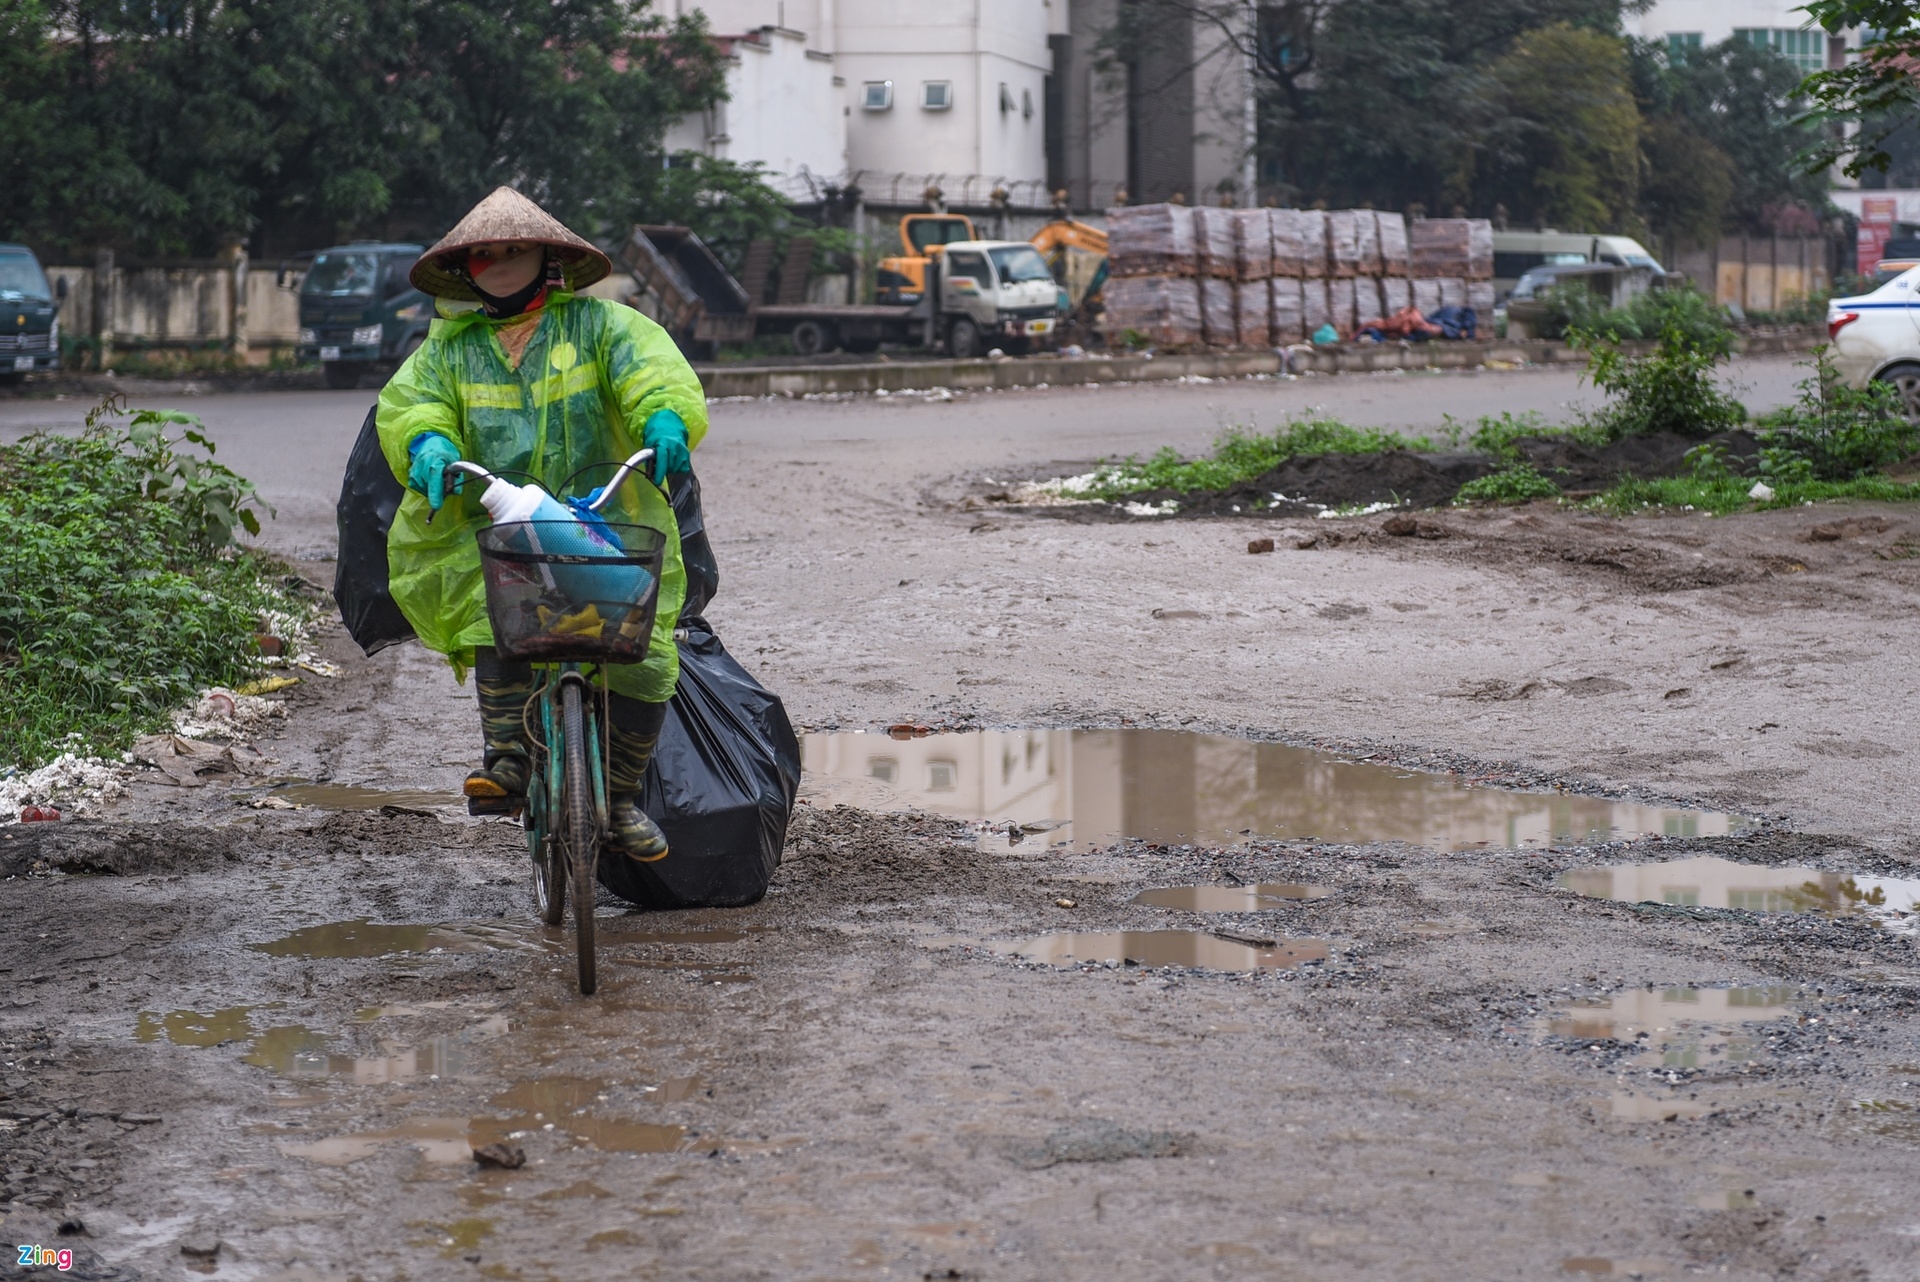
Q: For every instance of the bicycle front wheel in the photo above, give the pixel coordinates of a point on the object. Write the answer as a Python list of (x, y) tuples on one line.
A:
[(583, 836)]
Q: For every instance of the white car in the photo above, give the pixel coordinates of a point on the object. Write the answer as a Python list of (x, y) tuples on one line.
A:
[(1877, 337)]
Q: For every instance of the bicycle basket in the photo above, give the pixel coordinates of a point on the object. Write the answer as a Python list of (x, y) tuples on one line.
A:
[(555, 594)]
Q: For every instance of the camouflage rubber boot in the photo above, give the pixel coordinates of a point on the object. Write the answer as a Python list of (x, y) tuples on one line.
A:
[(499, 787), (634, 729)]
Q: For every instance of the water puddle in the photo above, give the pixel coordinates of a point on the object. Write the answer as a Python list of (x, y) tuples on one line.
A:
[(363, 938), (351, 796), (1084, 788), (1721, 883), (567, 1105), (1229, 899), (443, 1141), (197, 1028), (296, 1051), (1167, 948), (1680, 1028)]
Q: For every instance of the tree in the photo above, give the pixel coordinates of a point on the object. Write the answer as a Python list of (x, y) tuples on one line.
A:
[(1876, 92), (1689, 182), (1567, 149), (171, 128)]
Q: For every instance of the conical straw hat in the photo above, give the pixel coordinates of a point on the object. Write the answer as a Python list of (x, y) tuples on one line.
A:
[(505, 215)]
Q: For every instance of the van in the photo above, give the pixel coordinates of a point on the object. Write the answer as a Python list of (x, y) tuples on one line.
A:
[(1517, 252), (359, 313), (29, 317)]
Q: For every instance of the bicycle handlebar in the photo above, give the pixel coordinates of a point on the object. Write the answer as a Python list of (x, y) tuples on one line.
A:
[(640, 459)]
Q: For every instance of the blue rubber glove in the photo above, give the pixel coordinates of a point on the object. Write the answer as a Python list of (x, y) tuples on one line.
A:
[(666, 436), (431, 452)]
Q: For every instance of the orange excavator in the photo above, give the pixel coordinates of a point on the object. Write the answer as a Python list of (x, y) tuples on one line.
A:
[(903, 278), (1077, 254)]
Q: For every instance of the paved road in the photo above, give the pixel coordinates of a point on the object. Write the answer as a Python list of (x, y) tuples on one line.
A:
[(294, 444)]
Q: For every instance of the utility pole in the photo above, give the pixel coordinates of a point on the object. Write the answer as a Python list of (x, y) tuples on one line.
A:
[(1250, 113)]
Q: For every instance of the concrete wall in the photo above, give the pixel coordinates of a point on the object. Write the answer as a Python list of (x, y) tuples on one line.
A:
[(1759, 273), (187, 306)]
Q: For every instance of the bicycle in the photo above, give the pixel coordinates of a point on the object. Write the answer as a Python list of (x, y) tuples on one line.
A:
[(570, 613)]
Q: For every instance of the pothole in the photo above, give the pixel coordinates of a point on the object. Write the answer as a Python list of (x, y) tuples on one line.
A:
[(1679, 1028), (1229, 899), (363, 938), (1720, 883), (349, 796), (1190, 948), (1080, 789)]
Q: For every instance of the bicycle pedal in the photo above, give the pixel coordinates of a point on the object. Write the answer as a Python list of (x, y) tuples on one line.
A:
[(510, 806)]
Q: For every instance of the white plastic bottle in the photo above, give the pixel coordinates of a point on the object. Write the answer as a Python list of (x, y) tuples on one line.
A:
[(549, 527)]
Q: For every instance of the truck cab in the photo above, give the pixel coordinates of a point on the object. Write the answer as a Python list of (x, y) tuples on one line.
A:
[(996, 293), (359, 313), (29, 316)]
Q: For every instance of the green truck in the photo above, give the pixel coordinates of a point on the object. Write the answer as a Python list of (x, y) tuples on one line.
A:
[(359, 314)]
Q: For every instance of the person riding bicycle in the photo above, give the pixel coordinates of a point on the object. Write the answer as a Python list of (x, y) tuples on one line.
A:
[(523, 375)]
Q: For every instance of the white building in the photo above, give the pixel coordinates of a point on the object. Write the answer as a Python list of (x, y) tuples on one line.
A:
[(894, 95), (786, 101), (1776, 24)]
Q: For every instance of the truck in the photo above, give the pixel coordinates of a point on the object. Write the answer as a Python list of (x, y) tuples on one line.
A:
[(359, 314), (967, 296)]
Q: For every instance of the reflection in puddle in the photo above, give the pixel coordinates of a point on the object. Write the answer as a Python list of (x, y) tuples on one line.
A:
[(566, 1105), (1679, 1027), (1085, 788), (294, 1050), (1644, 1106), (1166, 948), (193, 1028), (1229, 899), (1721, 883), (441, 1140), (348, 796), (363, 938)]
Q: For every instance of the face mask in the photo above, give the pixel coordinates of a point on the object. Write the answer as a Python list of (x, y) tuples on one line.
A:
[(517, 302)]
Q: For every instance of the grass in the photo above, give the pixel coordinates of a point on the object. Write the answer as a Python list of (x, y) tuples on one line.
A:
[(1241, 455), (1730, 494), (122, 591), (1515, 483)]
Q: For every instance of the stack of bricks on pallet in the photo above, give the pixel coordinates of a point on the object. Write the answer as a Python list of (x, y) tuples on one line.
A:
[(1186, 278)]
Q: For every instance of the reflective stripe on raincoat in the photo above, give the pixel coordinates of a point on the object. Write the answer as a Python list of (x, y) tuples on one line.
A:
[(590, 377)]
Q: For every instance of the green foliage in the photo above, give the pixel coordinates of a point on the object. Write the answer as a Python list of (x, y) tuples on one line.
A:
[(1515, 483), (1570, 156), (121, 593), (1242, 455), (1730, 494), (167, 129), (1499, 436), (1570, 306), (1670, 389), (1647, 316), (1835, 432), (728, 203), (1876, 91)]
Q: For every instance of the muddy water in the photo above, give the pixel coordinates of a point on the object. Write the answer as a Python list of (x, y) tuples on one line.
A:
[(574, 1106), (294, 1050), (348, 796), (363, 938), (1680, 1027), (1720, 883), (1167, 948), (1229, 899), (1086, 788)]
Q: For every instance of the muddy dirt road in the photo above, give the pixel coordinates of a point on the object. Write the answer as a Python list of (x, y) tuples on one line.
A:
[(261, 1042)]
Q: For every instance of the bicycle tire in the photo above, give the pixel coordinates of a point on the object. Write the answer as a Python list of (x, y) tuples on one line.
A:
[(582, 832), (549, 867)]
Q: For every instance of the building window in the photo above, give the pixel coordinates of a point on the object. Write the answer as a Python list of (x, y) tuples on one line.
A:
[(1681, 43), (1006, 99), (1804, 49), (936, 95), (1026, 104), (877, 95), (942, 776)]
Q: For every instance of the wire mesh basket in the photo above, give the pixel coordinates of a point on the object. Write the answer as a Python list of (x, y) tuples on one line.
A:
[(558, 593)]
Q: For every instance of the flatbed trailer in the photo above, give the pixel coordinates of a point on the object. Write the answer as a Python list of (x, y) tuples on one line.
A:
[(858, 327)]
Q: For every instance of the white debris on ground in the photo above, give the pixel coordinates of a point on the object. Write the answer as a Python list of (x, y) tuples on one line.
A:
[(72, 784), (1166, 507), (221, 713), (1370, 509)]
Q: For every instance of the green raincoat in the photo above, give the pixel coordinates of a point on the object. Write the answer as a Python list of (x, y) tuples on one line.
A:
[(590, 377)]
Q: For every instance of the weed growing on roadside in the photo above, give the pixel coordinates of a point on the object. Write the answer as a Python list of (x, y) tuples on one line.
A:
[(122, 593), (1671, 389), (1515, 483), (1730, 494), (1834, 432), (1241, 455)]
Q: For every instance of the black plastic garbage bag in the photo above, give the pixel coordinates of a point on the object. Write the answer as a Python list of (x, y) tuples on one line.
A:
[(369, 497), (721, 786)]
